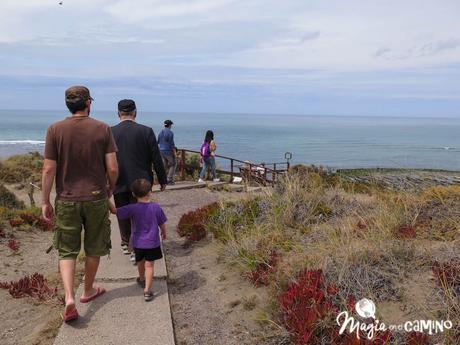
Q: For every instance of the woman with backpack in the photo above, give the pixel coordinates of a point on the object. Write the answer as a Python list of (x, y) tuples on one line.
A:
[(207, 153)]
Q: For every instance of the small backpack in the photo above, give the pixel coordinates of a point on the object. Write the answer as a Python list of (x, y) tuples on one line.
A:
[(205, 150)]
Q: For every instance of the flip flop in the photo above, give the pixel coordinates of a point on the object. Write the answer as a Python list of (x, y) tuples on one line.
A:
[(71, 315), (99, 291)]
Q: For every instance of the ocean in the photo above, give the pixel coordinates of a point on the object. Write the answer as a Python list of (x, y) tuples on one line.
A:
[(332, 141)]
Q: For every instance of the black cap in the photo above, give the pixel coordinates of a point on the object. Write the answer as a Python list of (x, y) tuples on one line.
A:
[(126, 105), (168, 122)]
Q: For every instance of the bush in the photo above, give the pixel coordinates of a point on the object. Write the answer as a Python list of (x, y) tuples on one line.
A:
[(193, 225), (192, 164), (8, 199), (13, 245), (22, 168), (305, 302), (261, 274), (35, 286)]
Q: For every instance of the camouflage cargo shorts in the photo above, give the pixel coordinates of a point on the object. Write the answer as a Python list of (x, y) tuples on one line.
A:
[(71, 218)]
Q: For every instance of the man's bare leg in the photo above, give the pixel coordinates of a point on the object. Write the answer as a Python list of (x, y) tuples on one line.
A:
[(91, 266), (67, 268)]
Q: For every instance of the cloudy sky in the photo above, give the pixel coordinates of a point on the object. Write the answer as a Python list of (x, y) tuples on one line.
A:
[(368, 57)]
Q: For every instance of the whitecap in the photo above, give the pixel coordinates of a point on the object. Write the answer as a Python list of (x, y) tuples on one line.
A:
[(18, 142)]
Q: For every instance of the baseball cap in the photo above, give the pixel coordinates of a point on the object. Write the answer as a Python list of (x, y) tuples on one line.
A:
[(77, 93), (168, 122), (126, 105)]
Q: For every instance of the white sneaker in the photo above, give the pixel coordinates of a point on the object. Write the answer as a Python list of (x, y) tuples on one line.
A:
[(125, 250), (216, 180), (200, 181), (132, 258)]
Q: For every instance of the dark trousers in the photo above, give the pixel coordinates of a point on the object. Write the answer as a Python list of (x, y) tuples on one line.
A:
[(123, 199)]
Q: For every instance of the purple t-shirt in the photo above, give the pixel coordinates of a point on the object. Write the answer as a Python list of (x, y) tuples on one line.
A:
[(145, 220)]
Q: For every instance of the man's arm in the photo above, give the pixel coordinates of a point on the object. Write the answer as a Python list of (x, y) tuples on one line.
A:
[(112, 171), (173, 145), (48, 174), (156, 160)]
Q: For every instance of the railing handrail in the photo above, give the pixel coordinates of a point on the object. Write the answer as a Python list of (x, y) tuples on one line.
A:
[(263, 166)]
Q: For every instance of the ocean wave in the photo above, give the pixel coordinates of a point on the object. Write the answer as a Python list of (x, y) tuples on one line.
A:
[(19, 142)]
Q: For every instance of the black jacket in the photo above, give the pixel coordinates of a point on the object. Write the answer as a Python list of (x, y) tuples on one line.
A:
[(137, 154)]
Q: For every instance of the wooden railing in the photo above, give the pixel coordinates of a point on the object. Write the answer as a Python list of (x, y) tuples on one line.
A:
[(263, 173)]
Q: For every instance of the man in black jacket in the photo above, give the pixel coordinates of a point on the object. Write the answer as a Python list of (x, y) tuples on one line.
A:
[(138, 154)]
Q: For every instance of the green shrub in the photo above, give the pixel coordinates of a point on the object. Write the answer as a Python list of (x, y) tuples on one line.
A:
[(8, 199), (192, 164), (21, 168)]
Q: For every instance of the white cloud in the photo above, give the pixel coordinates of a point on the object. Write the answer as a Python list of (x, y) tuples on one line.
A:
[(331, 36), (140, 10), (363, 35)]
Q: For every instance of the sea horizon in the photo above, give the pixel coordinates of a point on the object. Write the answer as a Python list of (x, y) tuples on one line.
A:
[(335, 141)]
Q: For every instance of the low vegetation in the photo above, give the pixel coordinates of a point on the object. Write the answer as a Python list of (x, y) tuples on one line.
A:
[(21, 168), (192, 225), (35, 286), (319, 244)]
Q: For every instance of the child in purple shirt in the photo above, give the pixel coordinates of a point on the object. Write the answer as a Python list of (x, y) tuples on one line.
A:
[(146, 219)]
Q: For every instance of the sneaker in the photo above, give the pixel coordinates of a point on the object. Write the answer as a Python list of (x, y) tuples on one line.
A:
[(171, 183), (125, 249), (148, 296), (216, 180), (200, 180), (132, 258)]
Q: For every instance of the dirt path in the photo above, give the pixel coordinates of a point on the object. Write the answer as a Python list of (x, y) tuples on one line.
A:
[(211, 303)]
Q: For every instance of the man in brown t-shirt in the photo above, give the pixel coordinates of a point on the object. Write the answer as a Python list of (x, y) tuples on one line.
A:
[(80, 153)]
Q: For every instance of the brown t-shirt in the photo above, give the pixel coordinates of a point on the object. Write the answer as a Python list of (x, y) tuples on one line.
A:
[(79, 146)]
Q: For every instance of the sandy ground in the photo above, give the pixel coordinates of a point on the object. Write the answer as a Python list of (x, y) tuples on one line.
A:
[(211, 303), (27, 320)]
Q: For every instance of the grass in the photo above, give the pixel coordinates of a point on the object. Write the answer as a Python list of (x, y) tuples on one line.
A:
[(366, 242)]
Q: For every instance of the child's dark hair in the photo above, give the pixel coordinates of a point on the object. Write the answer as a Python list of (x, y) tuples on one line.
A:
[(141, 187)]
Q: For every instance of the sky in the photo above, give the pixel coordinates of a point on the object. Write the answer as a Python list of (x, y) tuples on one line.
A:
[(314, 57)]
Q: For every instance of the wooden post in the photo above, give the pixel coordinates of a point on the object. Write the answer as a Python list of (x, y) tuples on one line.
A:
[(30, 193), (231, 170), (265, 175), (182, 165)]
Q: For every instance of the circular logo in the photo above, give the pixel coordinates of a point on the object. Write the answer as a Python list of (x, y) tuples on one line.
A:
[(365, 308)]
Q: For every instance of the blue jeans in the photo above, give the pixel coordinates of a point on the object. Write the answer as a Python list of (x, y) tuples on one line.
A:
[(208, 162)]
